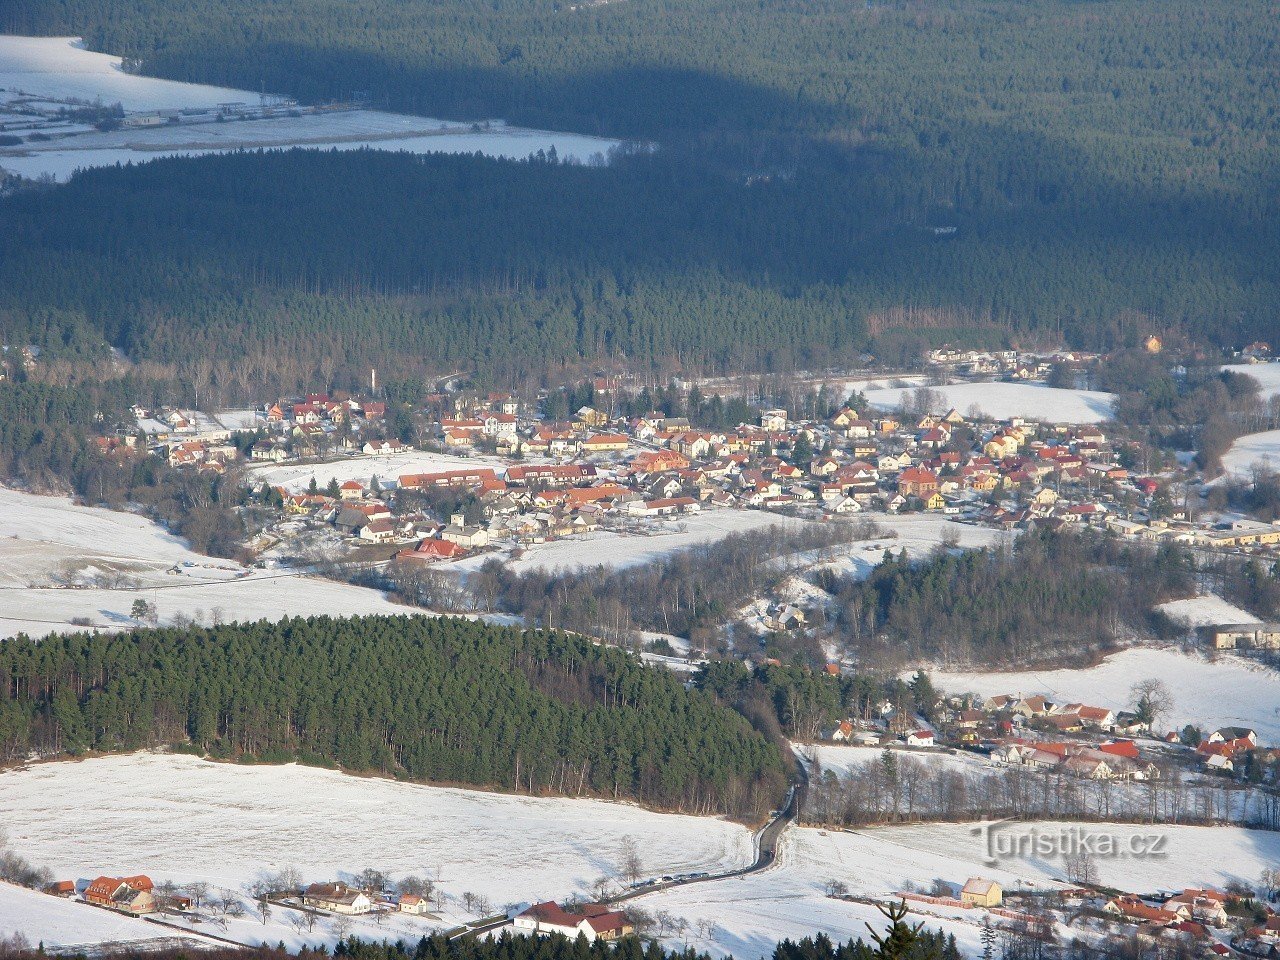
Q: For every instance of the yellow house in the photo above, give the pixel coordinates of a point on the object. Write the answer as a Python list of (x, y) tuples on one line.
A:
[(978, 892), (1044, 497), (1152, 344), (1001, 445), (935, 502), (604, 443)]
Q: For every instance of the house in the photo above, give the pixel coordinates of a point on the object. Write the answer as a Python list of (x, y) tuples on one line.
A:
[(920, 738), (605, 443), (381, 530), (1132, 909), (411, 903), (336, 898), (1205, 906), (428, 551), (594, 921), (917, 482), (377, 447), (128, 894), (978, 892), (843, 733), (464, 536), (350, 490), (773, 420)]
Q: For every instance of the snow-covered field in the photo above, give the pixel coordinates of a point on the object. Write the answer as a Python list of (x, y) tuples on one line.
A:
[(1209, 610), (788, 899), (46, 541), (917, 533), (61, 69), (840, 759), (1267, 375), (616, 550), (1253, 449), (63, 924), (180, 818), (185, 819), (1192, 856), (296, 477), (1002, 400), (1224, 691)]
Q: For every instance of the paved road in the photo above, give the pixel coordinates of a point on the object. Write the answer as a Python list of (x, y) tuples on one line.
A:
[(766, 842)]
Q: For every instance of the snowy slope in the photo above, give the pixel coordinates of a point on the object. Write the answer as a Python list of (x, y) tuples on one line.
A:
[(187, 819), (788, 899), (61, 67), (1191, 856), (1267, 375), (62, 923), (1002, 400), (616, 550), (917, 533), (1253, 450), (1206, 611), (1210, 692), (48, 540)]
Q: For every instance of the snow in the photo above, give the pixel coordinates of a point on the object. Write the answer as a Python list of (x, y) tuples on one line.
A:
[(65, 923), (1209, 610), (917, 533), (788, 899), (614, 550), (1193, 856), (1253, 449), (1004, 400), (842, 759), (511, 143), (1225, 690), (185, 819), (51, 549), (239, 419), (1267, 375), (295, 477), (61, 69)]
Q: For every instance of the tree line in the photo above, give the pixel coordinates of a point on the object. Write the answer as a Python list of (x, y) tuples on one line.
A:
[(893, 787), (1045, 597), (438, 699)]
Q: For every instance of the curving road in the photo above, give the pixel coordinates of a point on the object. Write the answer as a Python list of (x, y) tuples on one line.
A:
[(766, 842)]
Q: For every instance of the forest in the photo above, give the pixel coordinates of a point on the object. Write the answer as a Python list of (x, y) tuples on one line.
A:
[(424, 698), (786, 199), (1047, 597)]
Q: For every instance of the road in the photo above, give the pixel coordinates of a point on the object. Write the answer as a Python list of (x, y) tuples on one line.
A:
[(766, 842)]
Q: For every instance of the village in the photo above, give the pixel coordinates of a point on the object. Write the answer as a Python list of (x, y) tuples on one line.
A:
[(1198, 922), (471, 475), (1013, 731)]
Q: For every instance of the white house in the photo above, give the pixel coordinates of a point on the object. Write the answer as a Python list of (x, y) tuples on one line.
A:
[(337, 898)]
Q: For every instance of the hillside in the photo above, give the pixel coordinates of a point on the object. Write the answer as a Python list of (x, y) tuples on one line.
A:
[(1107, 169), (421, 698)]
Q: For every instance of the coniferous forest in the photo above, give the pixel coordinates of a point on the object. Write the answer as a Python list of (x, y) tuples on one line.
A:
[(437, 699), (1108, 168)]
